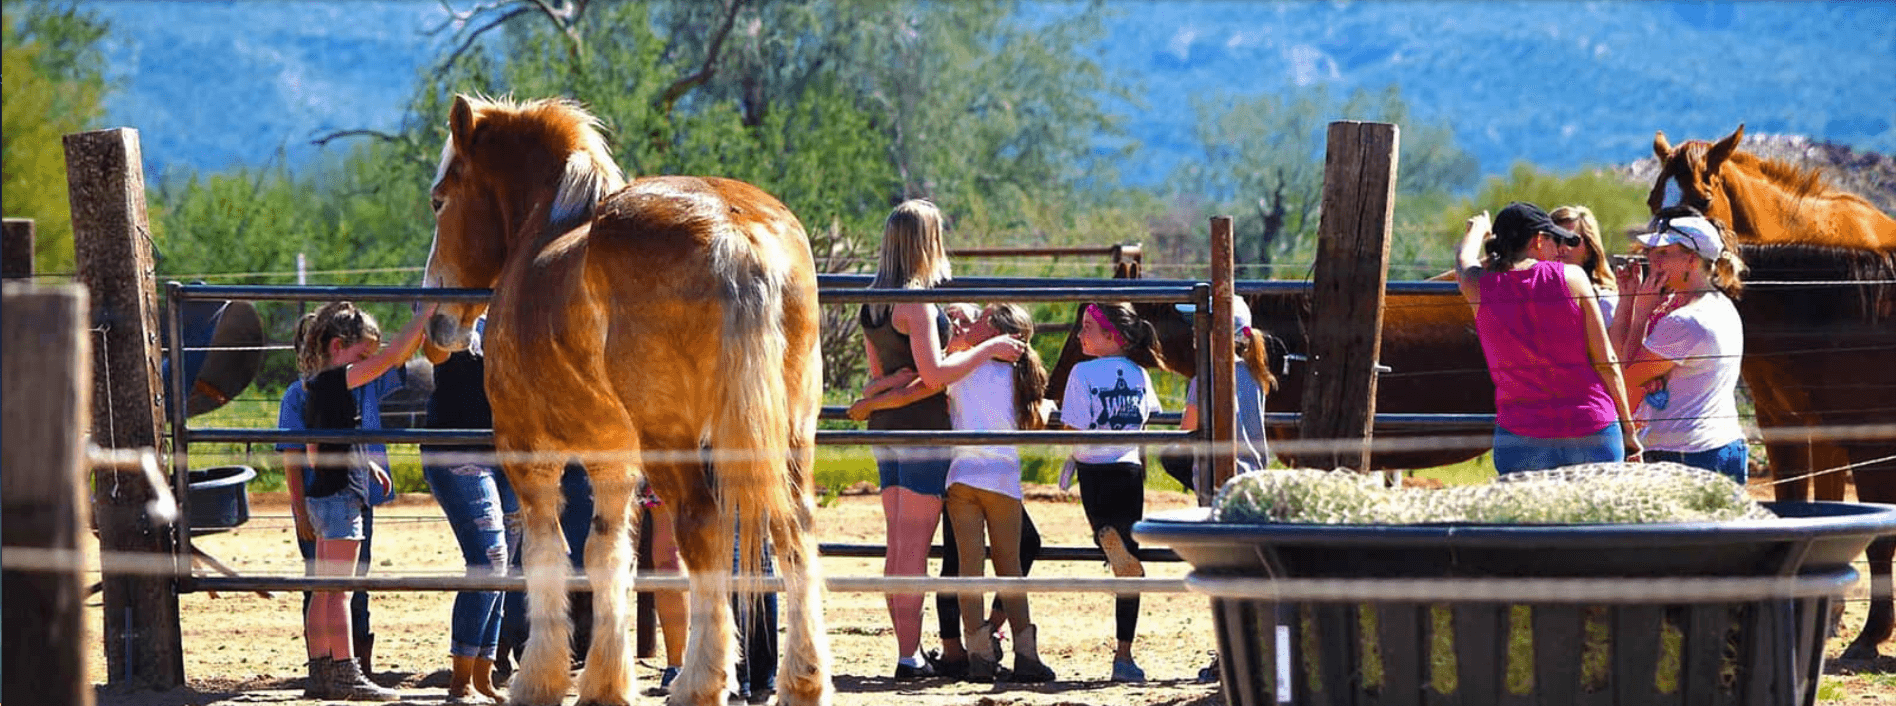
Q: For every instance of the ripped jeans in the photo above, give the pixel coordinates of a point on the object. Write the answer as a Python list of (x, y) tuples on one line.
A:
[(478, 503)]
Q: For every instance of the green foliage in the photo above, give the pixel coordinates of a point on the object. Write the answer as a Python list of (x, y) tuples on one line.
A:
[(55, 85), (1620, 205), (1263, 163)]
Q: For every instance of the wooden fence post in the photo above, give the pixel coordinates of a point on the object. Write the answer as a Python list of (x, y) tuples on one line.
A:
[(112, 245), (1222, 378), (47, 398), (16, 249), (1352, 270)]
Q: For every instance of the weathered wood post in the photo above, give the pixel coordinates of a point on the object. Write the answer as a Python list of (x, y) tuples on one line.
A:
[(47, 390), (1352, 270), (1222, 414), (16, 249), (112, 245)]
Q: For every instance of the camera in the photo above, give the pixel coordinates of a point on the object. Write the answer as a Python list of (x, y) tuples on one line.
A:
[(1636, 263)]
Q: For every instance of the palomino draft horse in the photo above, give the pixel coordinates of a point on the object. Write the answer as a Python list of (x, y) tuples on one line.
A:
[(1817, 357), (1429, 343), (665, 327)]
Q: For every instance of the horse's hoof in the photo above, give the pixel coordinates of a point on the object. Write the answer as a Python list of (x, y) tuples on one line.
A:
[(596, 702), (1858, 652)]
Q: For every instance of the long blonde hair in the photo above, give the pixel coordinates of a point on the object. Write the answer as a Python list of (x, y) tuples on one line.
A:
[(334, 321), (1588, 228), (912, 253)]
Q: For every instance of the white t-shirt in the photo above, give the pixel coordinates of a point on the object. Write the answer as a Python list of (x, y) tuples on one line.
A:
[(1694, 406), (984, 401), (1110, 393)]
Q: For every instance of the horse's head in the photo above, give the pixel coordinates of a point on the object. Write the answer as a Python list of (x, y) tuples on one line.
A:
[(1689, 174), (509, 174)]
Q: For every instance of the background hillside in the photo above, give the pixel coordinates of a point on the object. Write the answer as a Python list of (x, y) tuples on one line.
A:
[(1558, 84)]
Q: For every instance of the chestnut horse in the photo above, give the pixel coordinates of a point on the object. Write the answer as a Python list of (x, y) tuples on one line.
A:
[(665, 327), (1429, 343), (1816, 356)]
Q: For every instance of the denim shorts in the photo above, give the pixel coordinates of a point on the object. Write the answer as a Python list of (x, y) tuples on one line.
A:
[(1513, 452), (336, 516), (923, 469)]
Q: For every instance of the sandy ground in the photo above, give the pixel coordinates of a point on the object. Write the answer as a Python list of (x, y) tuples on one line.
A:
[(246, 649)]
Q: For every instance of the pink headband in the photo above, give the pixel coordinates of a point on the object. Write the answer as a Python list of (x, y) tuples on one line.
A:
[(1106, 325)]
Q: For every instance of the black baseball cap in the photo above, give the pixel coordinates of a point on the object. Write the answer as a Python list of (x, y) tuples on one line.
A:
[(1520, 220)]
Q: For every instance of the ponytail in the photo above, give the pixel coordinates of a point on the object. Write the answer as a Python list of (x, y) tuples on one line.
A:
[(1030, 375), (1728, 273), (1251, 350), (334, 321)]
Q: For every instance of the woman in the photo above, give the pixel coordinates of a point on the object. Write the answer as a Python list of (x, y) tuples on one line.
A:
[(904, 346), (1683, 344), (1590, 255), (1550, 410)]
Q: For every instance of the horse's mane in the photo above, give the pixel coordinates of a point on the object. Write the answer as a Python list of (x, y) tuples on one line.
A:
[(562, 126), (1798, 181), (1874, 300)]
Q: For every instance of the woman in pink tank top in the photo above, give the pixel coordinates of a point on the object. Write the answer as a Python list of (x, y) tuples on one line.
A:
[(1558, 396)]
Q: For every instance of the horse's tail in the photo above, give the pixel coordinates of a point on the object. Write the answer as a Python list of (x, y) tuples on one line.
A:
[(750, 437)]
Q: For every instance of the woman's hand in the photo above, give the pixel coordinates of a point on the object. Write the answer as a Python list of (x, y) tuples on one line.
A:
[(382, 478), (1006, 349), (304, 530), (860, 410), (1480, 224)]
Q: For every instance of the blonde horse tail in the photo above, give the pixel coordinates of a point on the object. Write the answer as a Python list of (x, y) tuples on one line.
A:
[(750, 437)]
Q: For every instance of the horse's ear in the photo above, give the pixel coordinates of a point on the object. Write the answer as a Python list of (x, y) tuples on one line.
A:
[(1721, 151), (1661, 147), (461, 122)]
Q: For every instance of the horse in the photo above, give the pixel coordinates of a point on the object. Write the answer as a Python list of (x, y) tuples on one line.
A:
[(1429, 343), (1816, 356), (664, 327)]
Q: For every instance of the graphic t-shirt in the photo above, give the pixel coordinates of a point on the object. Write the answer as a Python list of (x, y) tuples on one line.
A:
[(1111, 393)]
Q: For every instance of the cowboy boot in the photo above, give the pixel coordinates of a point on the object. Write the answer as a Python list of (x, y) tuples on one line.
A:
[(1027, 665), (460, 690), (482, 678), (317, 686), (346, 683), (983, 661)]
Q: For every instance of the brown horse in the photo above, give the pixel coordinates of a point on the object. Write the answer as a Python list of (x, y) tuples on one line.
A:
[(1429, 344), (665, 328), (1817, 357)]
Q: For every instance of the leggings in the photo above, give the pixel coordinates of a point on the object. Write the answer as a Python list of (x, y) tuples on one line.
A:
[(947, 607), (1113, 495)]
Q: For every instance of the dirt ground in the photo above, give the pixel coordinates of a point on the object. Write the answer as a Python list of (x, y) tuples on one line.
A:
[(247, 649)]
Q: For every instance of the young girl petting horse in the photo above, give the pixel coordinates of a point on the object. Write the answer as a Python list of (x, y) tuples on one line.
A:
[(339, 351), (1113, 392)]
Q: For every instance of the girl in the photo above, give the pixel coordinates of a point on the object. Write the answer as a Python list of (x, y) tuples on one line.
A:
[(1112, 391), (1254, 380), (908, 337), (476, 500), (338, 349), (984, 491), (1589, 254), (1550, 409), (1683, 344)]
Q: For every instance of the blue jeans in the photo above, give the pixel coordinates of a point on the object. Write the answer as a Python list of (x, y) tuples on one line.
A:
[(923, 469), (1729, 459), (358, 605), (476, 500), (576, 524), (1514, 453)]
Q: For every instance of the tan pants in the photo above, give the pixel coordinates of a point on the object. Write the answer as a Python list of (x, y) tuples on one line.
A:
[(973, 511)]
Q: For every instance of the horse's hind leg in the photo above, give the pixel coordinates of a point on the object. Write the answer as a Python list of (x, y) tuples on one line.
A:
[(803, 678), (705, 540), (608, 679), (545, 666)]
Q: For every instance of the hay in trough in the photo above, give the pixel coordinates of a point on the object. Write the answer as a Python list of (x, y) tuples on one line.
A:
[(1604, 493)]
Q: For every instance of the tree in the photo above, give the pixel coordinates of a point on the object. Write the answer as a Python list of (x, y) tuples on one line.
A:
[(54, 86), (1617, 203), (1263, 160)]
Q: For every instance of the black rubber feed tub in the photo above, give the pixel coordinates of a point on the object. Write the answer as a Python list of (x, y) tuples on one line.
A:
[(220, 497)]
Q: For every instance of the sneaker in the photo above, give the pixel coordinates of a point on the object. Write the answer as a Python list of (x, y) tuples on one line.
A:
[(949, 668), (665, 679), (759, 697), (1210, 672), (1125, 671), (905, 672)]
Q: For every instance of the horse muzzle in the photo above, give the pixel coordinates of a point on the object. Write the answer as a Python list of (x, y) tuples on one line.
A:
[(446, 331)]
